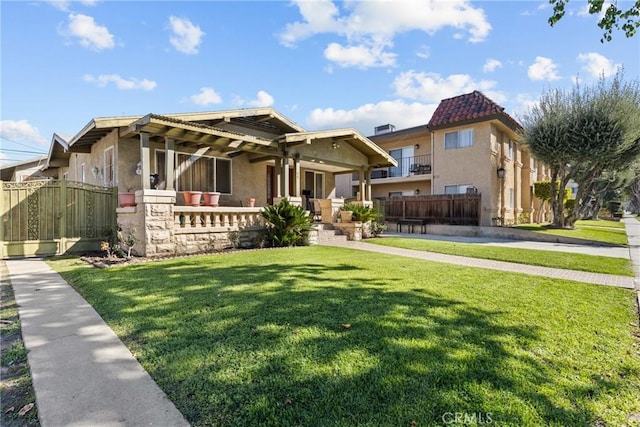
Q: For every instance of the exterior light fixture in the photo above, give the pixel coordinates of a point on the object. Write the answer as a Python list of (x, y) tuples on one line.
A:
[(501, 171), (335, 145), (417, 191), (416, 146)]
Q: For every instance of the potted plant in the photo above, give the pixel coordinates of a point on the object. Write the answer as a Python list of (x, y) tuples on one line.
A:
[(192, 198), (345, 214), (211, 198), (126, 198)]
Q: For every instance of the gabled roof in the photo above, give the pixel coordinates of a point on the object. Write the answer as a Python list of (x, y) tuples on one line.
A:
[(469, 108), (375, 155), (7, 171)]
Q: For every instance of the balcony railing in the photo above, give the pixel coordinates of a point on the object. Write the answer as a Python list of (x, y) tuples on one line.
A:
[(407, 166)]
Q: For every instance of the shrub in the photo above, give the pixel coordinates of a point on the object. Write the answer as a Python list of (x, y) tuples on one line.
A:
[(288, 225), (360, 212)]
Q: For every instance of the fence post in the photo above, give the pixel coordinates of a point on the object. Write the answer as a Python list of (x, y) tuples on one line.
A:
[(404, 205), (451, 210), (113, 207), (62, 187)]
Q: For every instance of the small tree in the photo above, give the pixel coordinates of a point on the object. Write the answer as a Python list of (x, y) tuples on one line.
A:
[(583, 134)]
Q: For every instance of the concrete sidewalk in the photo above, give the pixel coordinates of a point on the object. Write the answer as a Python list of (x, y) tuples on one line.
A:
[(633, 235), (83, 375)]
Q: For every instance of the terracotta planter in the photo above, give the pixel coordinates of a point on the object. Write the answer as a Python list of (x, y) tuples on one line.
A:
[(345, 216), (192, 198), (211, 198), (126, 199), (251, 202)]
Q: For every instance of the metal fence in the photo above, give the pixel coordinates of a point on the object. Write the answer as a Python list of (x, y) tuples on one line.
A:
[(54, 217), (454, 209)]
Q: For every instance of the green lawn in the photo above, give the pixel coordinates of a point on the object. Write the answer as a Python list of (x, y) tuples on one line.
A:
[(600, 231), (326, 336), (571, 261)]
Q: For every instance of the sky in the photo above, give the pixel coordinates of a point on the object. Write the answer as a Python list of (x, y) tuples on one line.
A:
[(323, 64)]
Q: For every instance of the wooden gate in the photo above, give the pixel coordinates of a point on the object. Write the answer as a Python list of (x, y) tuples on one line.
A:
[(54, 217)]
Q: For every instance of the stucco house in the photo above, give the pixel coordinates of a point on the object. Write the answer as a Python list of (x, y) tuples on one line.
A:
[(242, 154), (24, 170), (470, 144)]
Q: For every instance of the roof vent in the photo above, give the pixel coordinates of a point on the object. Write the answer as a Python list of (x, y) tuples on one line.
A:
[(379, 130)]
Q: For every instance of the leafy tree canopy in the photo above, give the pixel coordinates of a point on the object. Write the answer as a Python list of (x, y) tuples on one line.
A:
[(613, 17)]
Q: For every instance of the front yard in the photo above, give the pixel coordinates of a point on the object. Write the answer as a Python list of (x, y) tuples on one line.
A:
[(326, 336)]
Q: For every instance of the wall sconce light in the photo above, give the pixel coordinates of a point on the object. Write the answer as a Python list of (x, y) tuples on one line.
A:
[(139, 168), (501, 171), (417, 146), (335, 145), (417, 191), (95, 171)]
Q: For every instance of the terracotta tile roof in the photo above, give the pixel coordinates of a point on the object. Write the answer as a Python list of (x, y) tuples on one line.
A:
[(470, 107)]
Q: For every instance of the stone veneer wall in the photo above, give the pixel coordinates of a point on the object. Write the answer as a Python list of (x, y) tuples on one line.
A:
[(164, 229)]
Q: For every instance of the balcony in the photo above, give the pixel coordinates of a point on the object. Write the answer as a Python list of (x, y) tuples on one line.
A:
[(407, 167)]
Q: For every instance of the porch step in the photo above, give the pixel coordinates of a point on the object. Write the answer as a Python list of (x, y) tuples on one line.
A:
[(326, 234)]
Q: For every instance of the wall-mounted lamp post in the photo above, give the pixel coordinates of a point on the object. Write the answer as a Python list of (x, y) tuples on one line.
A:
[(501, 171)]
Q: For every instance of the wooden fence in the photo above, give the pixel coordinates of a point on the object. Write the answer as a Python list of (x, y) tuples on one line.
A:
[(454, 209), (54, 217)]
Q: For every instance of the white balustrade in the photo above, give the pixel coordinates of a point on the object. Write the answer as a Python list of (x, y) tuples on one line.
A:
[(188, 219)]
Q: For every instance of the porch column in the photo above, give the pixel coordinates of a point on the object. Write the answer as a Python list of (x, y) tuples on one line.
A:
[(296, 165), (278, 177), (145, 158), (361, 186), (169, 160), (285, 181), (368, 193)]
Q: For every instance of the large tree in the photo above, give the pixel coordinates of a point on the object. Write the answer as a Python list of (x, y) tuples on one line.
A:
[(588, 134), (613, 16)]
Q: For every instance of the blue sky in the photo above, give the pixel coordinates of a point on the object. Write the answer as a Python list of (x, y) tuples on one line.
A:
[(323, 64)]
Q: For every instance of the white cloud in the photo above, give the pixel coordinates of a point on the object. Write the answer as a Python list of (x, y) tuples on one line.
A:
[(64, 4), (424, 52), (584, 10), (206, 96), (432, 87), (524, 102), (597, 65), (132, 83), (186, 36), (91, 35), (543, 69), (359, 56), (366, 117), (373, 25), (263, 99), (20, 131), (491, 65)]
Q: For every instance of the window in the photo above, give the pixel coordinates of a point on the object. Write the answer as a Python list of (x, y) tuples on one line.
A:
[(511, 149), (404, 156), (109, 167), (314, 182), (201, 173), (535, 164), (65, 176), (395, 194), (82, 172), (456, 189), (459, 139)]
